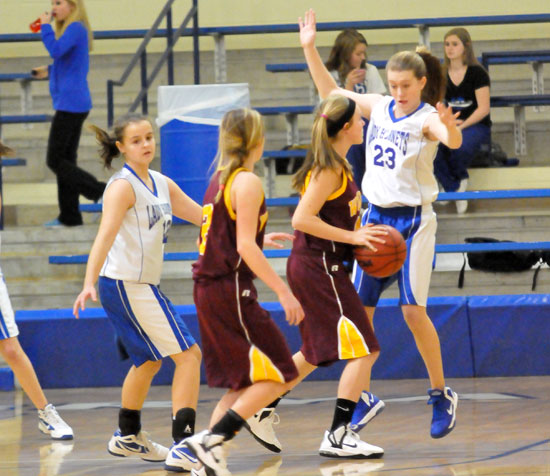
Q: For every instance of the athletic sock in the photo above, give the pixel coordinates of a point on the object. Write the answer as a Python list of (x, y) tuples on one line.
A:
[(229, 425), (275, 402), (129, 421), (342, 412), (183, 424)]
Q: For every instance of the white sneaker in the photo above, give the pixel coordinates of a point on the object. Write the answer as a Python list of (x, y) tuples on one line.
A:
[(209, 449), (199, 472), (140, 445), (52, 424), (462, 205), (180, 458), (344, 443), (261, 428), (348, 468)]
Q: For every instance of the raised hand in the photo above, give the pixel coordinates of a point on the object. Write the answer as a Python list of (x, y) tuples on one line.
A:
[(308, 28), (446, 115)]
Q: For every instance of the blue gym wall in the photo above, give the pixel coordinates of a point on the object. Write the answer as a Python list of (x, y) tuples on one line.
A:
[(480, 336)]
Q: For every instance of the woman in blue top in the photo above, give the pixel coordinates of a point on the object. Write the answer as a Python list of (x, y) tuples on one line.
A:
[(69, 47)]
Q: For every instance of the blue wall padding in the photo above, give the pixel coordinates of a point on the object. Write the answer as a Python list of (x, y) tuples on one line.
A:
[(7, 382), (399, 357), (511, 334), (480, 336)]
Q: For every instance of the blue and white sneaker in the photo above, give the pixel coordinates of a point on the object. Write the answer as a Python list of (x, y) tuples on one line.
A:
[(140, 445), (444, 411), (368, 406), (180, 459), (52, 424)]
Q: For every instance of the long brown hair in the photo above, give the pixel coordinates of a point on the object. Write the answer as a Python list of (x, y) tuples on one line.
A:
[(423, 64), (469, 57), (240, 131), (343, 47), (322, 155), (78, 14), (108, 149)]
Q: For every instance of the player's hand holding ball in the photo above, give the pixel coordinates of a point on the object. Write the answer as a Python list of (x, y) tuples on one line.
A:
[(384, 259)]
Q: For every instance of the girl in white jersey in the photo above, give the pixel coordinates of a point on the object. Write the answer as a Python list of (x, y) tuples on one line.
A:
[(401, 142), (127, 257)]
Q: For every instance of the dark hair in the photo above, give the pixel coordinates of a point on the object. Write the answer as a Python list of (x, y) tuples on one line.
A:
[(240, 131), (423, 64), (333, 110), (5, 150), (343, 47), (463, 35), (108, 148)]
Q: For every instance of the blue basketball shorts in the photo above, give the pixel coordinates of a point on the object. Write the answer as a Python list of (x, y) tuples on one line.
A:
[(144, 319), (418, 226)]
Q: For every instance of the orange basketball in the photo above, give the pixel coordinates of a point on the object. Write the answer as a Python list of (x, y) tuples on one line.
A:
[(388, 257)]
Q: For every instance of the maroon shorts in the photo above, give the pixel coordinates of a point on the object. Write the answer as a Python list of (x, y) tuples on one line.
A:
[(240, 342), (336, 326)]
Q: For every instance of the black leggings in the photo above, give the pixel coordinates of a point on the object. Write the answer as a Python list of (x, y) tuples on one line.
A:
[(72, 181)]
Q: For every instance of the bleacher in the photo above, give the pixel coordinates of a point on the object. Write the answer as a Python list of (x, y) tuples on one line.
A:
[(36, 284)]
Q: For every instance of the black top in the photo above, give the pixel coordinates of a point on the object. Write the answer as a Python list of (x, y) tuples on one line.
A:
[(463, 98)]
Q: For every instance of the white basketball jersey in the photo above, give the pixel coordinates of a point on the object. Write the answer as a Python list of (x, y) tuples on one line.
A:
[(399, 159), (138, 250)]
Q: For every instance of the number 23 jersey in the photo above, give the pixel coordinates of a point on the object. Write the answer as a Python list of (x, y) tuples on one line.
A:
[(399, 158)]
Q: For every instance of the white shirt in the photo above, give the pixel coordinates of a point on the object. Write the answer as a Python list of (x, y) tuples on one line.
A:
[(372, 84), (138, 250), (399, 159)]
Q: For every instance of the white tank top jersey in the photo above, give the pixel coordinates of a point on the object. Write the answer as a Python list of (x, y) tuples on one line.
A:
[(399, 159), (138, 251)]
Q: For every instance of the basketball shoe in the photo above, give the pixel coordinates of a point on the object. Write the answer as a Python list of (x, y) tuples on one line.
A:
[(180, 458), (209, 449), (261, 428), (52, 424), (344, 443), (140, 445), (368, 406), (444, 411)]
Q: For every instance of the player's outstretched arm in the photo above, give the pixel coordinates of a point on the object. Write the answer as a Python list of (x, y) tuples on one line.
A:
[(443, 127), (325, 83)]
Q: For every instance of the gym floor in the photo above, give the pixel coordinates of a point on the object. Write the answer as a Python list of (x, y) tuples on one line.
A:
[(503, 428)]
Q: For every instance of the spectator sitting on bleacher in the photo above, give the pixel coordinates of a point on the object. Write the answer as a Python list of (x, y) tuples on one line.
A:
[(348, 65), (468, 92), (69, 47)]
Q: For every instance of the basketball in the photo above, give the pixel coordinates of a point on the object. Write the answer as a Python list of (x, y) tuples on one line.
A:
[(388, 258)]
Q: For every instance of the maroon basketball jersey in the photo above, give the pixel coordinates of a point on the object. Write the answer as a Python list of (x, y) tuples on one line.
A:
[(343, 210), (218, 236)]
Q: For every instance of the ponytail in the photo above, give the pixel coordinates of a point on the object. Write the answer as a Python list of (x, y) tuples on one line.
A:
[(331, 116), (240, 131), (434, 91), (108, 149)]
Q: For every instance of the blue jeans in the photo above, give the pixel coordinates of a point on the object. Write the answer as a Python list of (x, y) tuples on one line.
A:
[(450, 165)]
